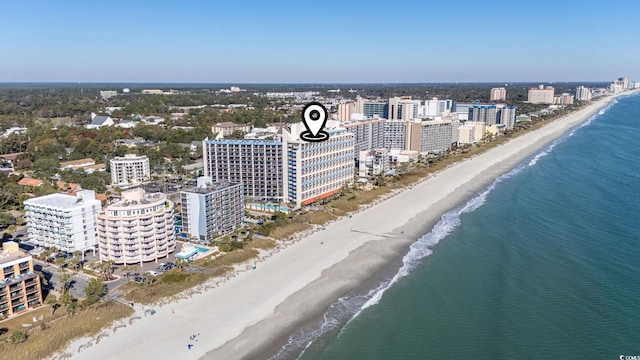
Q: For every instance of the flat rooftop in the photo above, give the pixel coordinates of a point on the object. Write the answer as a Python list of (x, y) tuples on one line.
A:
[(7, 256), (58, 200), (216, 186)]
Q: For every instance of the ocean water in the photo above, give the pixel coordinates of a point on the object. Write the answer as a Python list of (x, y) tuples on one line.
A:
[(543, 264)]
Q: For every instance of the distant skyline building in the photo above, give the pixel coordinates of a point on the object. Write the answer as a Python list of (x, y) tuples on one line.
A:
[(435, 107), (345, 109), (63, 221), (368, 134), (372, 108), (563, 99), (432, 136), (493, 114), (541, 95), (129, 169), (137, 229), (212, 209), (227, 128), (583, 93), (395, 134), (498, 94), (403, 108)]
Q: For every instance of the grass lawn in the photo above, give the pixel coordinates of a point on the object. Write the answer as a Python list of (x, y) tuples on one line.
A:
[(59, 331), (15, 323)]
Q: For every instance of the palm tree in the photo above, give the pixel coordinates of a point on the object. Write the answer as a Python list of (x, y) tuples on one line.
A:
[(106, 269), (127, 270), (53, 304), (64, 279), (181, 264)]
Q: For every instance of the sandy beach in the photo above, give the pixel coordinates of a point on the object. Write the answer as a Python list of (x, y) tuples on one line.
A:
[(244, 316)]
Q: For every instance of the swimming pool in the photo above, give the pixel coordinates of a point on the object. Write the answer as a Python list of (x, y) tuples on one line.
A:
[(269, 207), (201, 249)]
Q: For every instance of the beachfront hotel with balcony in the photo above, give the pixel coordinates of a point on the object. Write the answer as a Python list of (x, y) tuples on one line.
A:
[(279, 166), (129, 169), (316, 170), (256, 162), (212, 208), (20, 287), (368, 134), (137, 229), (63, 221)]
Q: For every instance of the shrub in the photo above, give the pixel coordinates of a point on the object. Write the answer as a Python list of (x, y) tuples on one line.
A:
[(17, 337)]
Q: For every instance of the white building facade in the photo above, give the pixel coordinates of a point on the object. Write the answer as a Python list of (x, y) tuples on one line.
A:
[(315, 170), (212, 209), (63, 221), (129, 169), (373, 163), (137, 229)]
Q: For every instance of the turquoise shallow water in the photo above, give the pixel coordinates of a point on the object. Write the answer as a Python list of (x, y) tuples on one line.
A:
[(544, 265)]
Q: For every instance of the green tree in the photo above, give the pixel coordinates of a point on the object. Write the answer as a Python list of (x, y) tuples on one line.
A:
[(46, 167), (70, 303), (95, 290)]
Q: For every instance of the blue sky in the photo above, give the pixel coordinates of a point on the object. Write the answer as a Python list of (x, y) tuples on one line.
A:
[(324, 41)]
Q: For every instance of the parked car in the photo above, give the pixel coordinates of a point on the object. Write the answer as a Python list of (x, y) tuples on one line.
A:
[(152, 273), (139, 279), (168, 266)]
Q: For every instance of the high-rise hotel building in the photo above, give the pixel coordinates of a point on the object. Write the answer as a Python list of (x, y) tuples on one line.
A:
[(368, 134), (282, 167), (432, 136), (20, 287), (212, 208), (583, 93), (129, 169), (137, 229), (63, 221), (395, 134), (498, 94), (541, 95), (256, 163), (315, 170)]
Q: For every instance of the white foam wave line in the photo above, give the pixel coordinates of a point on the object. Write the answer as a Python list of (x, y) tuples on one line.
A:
[(421, 248), (417, 251), (345, 306)]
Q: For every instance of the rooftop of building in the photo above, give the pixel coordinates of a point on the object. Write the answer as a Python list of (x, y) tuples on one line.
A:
[(30, 182), (8, 253), (99, 120), (129, 157), (229, 124), (64, 201), (138, 198), (211, 187), (77, 162)]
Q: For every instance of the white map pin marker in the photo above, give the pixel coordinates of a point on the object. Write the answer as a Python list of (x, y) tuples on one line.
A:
[(314, 118)]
